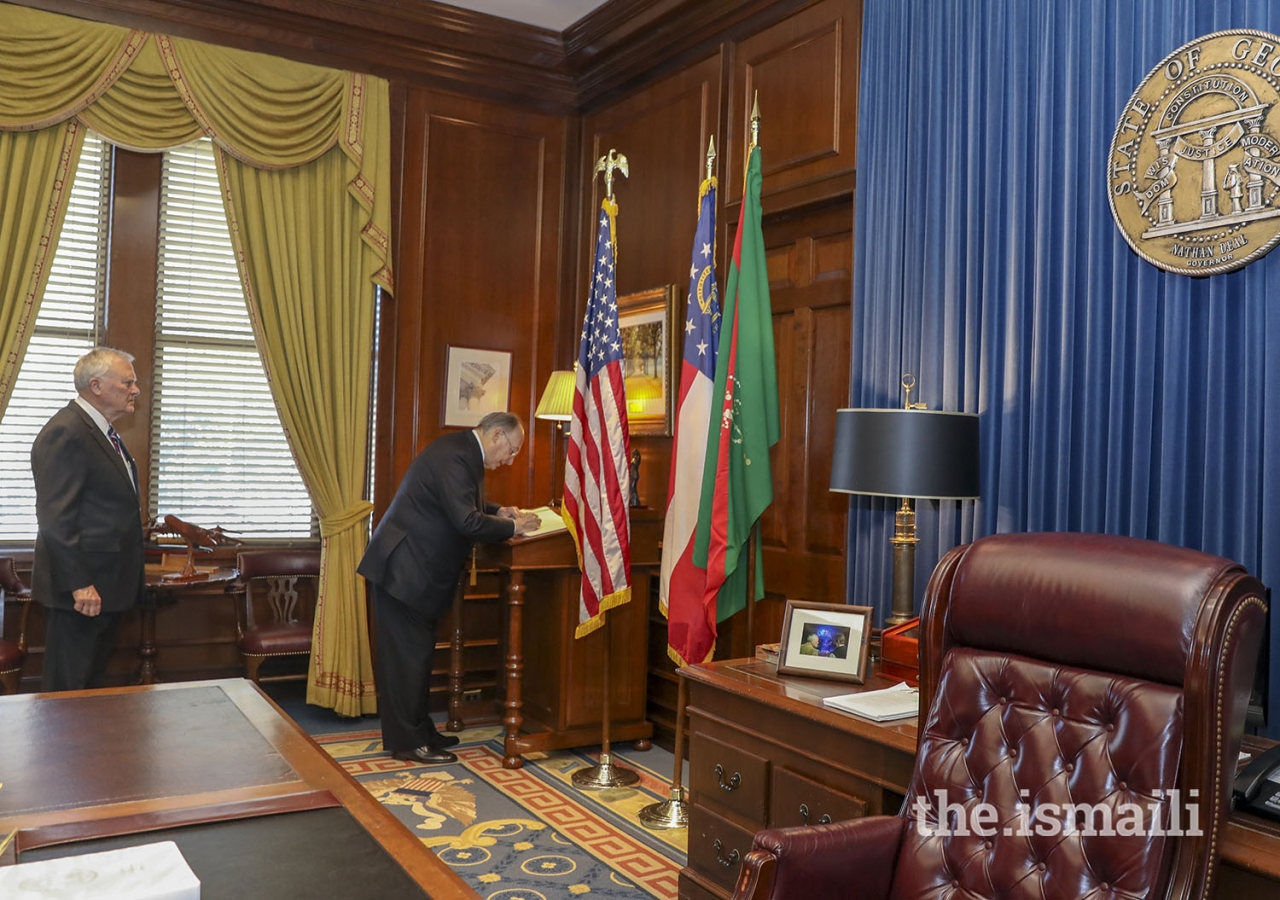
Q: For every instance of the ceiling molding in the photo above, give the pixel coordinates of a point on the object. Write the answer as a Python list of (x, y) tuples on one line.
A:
[(426, 43), (605, 54)]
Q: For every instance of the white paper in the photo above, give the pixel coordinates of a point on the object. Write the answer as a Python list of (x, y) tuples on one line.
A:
[(148, 872), (895, 702)]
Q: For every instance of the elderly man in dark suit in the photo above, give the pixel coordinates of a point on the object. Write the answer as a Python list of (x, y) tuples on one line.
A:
[(414, 560), (88, 558)]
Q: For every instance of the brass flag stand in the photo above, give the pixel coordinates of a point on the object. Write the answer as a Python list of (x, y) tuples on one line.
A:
[(606, 774), (674, 811)]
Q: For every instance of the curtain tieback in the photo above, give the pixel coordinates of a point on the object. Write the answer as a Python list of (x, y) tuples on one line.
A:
[(348, 518)]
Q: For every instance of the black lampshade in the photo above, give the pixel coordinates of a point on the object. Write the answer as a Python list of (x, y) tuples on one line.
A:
[(919, 453)]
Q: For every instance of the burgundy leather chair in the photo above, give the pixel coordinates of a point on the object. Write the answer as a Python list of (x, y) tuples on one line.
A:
[(273, 617), (13, 655), (1069, 669)]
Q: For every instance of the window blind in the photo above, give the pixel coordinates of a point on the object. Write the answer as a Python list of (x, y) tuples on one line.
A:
[(218, 452), (67, 326)]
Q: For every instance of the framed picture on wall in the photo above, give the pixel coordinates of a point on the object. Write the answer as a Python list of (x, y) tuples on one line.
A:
[(476, 383), (651, 350), (825, 640)]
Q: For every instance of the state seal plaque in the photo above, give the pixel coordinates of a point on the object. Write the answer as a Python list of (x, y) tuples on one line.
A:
[(1194, 167)]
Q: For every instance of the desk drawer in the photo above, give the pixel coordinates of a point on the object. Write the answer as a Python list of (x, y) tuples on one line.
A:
[(797, 800), (729, 777), (716, 847)]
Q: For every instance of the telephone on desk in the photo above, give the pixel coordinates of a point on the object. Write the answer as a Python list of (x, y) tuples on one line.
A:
[(1257, 786)]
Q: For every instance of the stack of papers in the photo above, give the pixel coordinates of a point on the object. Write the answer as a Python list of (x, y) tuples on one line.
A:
[(896, 702)]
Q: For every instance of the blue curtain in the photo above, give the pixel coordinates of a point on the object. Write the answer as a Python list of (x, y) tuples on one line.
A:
[(1113, 397)]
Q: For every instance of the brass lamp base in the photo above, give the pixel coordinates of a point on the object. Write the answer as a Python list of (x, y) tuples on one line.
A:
[(673, 813), (904, 542), (605, 775)]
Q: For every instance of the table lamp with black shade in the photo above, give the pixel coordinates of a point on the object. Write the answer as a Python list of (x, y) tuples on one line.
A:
[(912, 453)]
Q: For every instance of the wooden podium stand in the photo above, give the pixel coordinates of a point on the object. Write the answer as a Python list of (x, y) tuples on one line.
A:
[(553, 695)]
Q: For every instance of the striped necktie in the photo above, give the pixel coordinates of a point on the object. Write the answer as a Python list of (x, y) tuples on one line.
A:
[(115, 442)]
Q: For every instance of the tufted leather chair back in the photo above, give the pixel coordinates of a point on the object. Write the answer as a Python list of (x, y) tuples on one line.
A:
[(1086, 692)]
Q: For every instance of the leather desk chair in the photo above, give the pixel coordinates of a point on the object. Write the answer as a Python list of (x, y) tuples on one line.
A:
[(12, 655), (273, 618), (1054, 669)]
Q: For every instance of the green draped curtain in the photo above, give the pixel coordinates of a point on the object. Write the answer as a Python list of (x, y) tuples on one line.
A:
[(304, 162)]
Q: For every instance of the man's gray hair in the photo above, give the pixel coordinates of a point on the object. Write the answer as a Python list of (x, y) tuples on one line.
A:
[(507, 423), (96, 363)]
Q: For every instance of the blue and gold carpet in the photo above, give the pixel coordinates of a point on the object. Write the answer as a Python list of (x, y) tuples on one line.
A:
[(527, 834)]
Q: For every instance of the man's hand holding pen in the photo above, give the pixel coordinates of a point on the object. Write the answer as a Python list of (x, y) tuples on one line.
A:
[(526, 522)]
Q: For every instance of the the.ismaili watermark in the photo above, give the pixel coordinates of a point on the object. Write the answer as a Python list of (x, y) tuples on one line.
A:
[(1128, 819)]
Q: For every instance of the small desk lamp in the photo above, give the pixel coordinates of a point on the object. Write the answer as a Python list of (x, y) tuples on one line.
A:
[(912, 453), (556, 406)]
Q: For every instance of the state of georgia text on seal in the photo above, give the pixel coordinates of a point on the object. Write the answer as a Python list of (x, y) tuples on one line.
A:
[(1194, 168)]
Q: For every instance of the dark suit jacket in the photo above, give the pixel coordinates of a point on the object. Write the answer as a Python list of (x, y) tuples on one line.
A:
[(418, 550), (90, 528)]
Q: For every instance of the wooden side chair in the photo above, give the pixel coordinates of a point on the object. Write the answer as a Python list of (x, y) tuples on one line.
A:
[(273, 617), (13, 655)]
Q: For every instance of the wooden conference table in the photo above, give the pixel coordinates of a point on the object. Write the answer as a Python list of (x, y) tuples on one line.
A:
[(255, 806)]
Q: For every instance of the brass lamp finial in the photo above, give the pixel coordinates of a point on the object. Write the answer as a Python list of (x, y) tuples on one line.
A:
[(908, 382)]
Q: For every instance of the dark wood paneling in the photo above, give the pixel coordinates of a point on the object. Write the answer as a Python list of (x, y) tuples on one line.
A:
[(663, 132), (805, 69), (627, 43), (478, 267), (131, 289), (803, 533)]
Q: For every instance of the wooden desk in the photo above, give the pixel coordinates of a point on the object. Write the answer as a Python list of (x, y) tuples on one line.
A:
[(84, 765), (560, 702), (764, 753)]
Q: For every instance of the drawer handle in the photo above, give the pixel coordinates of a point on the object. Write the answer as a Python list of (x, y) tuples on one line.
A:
[(725, 861), (733, 781), (804, 815)]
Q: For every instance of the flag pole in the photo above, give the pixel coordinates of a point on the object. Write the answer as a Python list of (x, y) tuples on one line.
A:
[(674, 812), (752, 549), (606, 774)]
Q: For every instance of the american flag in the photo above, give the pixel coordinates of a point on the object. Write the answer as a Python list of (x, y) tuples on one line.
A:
[(597, 479)]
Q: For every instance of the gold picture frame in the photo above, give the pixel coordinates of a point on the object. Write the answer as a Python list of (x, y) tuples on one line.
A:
[(652, 348), (825, 640)]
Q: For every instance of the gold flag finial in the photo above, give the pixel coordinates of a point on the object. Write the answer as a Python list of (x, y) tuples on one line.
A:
[(607, 164), (711, 156), (755, 120)]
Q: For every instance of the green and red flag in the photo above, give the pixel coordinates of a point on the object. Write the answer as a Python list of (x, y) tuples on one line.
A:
[(737, 484)]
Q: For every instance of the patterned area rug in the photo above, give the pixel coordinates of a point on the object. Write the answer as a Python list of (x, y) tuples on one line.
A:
[(527, 834)]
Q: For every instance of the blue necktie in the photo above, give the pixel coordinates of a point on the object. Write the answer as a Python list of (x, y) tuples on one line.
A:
[(115, 442)]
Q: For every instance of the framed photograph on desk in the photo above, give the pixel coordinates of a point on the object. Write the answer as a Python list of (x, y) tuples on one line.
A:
[(825, 640)]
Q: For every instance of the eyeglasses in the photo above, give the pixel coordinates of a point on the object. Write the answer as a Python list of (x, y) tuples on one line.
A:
[(512, 449)]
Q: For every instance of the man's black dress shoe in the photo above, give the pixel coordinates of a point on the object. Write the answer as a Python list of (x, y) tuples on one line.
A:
[(428, 755), (447, 740)]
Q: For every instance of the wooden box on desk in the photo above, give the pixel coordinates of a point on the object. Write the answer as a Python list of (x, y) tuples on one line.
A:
[(900, 652)]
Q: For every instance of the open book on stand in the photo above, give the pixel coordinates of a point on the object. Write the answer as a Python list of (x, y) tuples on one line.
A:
[(895, 702), (551, 521)]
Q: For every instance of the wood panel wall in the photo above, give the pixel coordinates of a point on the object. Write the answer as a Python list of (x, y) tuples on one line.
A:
[(496, 128)]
